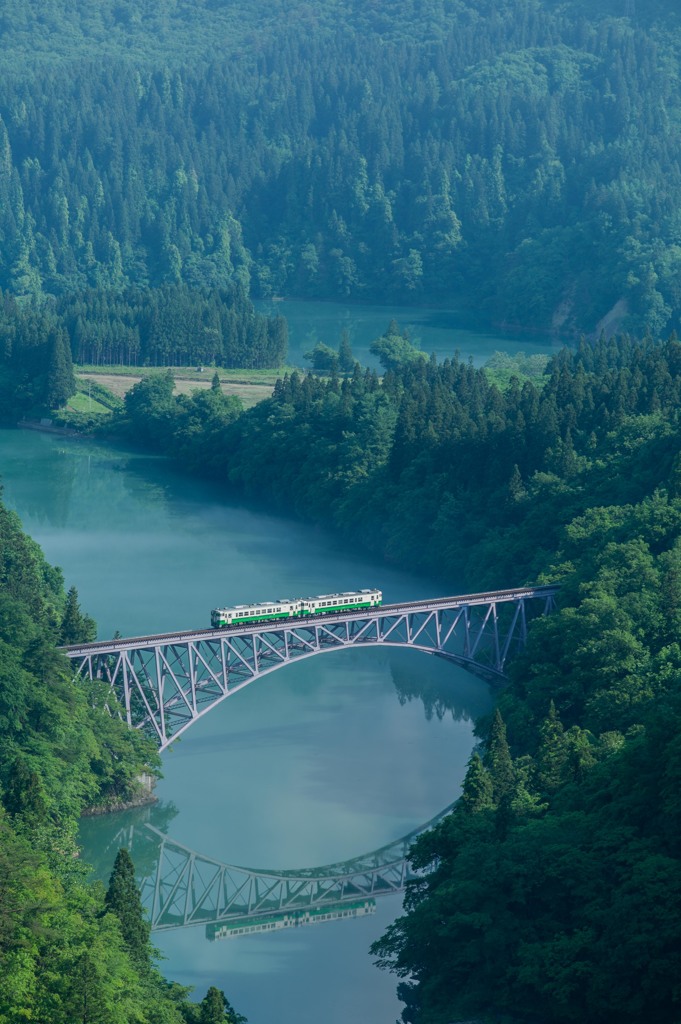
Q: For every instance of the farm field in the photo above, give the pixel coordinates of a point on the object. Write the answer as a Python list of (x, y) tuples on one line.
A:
[(250, 391)]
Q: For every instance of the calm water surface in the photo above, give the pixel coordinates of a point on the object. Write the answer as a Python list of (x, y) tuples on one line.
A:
[(442, 331), (319, 762)]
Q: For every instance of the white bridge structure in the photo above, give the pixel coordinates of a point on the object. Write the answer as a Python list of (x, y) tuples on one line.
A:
[(163, 684)]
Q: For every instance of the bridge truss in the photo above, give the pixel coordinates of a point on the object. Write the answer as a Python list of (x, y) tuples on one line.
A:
[(187, 888), (165, 683)]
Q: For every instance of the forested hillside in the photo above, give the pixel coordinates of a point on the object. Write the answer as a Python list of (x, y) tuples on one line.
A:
[(163, 163), (67, 954), (519, 159), (169, 325), (498, 473), (553, 890)]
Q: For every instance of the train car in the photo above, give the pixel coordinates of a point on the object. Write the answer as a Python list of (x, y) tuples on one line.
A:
[(351, 600), (284, 608), (242, 614)]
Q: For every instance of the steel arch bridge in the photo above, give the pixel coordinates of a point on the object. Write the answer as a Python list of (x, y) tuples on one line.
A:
[(186, 888), (165, 683)]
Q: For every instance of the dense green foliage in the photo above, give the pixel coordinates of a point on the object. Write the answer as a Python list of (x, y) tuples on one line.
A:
[(498, 473), (188, 427), (67, 954), (123, 899), (552, 891), (36, 368), (216, 1009), (516, 157), (171, 325)]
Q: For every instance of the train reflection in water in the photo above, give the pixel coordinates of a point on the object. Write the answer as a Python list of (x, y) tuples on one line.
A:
[(293, 919), (182, 888)]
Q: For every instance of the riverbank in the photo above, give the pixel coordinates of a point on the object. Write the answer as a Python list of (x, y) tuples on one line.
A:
[(46, 426), (145, 798)]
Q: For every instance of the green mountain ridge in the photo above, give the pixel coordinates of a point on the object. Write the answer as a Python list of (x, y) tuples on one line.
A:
[(175, 32), (516, 159)]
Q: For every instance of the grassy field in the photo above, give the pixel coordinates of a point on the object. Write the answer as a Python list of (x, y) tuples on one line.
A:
[(82, 402), (251, 386)]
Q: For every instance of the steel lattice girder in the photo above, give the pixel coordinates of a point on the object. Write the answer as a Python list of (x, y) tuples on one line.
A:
[(165, 684)]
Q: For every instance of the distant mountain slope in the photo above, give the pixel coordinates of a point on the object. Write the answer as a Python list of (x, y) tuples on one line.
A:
[(520, 158), (176, 32)]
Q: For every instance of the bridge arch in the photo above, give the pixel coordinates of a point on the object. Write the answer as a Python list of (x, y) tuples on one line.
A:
[(165, 683)]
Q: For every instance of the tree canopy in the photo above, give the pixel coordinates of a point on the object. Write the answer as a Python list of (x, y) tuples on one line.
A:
[(518, 159), (552, 891)]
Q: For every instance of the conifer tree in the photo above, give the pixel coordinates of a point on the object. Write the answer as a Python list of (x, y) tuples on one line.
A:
[(61, 383), (216, 1009), (498, 760), (23, 791), (478, 790), (75, 627), (516, 488), (123, 900), (346, 360), (553, 753)]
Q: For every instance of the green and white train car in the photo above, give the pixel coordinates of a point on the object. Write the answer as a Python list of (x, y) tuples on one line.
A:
[(301, 607)]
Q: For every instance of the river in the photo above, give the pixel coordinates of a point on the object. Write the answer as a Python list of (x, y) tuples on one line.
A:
[(442, 331), (320, 762)]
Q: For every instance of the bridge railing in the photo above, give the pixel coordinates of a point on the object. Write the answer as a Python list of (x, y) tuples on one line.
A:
[(166, 682)]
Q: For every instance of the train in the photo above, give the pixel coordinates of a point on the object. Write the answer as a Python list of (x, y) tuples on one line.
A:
[(298, 608)]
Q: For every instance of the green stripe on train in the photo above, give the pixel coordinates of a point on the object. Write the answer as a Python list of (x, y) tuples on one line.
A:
[(283, 615)]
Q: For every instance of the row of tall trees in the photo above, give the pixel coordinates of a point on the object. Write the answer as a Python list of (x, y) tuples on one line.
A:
[(170, 325)]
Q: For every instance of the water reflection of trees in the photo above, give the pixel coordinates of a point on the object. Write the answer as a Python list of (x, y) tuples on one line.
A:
[(443, 688), (102, 836), (77, 476), (40, 504)]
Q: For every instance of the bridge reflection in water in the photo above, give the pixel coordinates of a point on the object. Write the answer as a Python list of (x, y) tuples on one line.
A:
[(187, 888)]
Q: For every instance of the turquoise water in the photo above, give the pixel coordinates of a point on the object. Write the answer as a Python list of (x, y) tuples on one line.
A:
[(441, 331), (316, 763)]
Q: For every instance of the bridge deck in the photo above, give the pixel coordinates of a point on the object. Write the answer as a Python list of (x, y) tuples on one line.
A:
[(405, 608)]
